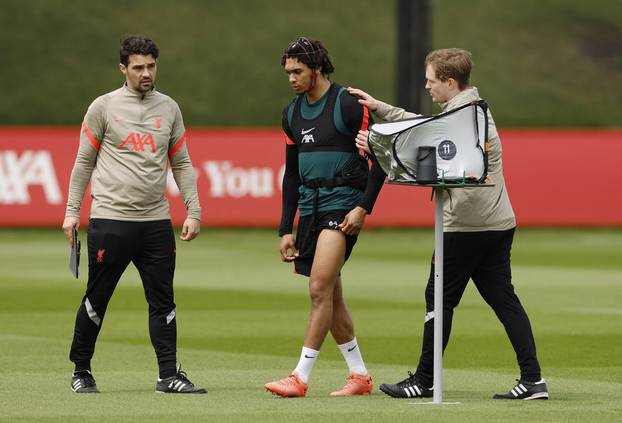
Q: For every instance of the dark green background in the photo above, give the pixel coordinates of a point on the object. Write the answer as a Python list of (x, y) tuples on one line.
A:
[(539, 63)]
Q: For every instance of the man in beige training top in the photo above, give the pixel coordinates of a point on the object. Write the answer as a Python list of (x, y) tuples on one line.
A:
[(478, 232), (127, 139)]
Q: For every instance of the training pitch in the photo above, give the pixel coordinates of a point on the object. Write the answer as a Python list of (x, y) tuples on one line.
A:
[(242, 315)]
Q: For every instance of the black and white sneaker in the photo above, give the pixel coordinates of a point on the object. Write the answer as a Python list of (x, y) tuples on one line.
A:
[(83, 382), (178, 384), (526, 391), (408, 388)]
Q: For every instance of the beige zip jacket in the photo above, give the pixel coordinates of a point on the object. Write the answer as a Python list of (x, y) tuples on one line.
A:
[(126, 142)]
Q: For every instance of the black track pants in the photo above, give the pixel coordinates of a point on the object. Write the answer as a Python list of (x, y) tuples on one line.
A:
[(485, 258), (112, 245)]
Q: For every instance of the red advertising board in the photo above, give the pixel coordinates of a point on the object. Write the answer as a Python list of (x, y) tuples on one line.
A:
[(554, 177)]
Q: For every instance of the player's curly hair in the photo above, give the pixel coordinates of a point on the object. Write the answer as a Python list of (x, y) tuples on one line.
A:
[(310, 52), (137, 44)]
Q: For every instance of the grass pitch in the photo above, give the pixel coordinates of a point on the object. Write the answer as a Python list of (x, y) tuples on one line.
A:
[(242, 316)]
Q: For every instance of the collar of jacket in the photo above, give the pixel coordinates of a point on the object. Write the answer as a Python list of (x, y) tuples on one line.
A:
[(463, 97), (133, 93)]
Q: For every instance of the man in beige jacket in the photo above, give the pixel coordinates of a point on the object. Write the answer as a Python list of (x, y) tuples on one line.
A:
[(478, 232), (127, 140)]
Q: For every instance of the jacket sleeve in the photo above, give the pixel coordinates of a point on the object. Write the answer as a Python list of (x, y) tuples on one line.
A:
[(91, 136), (291, 181), (181, 165), (390, 113)]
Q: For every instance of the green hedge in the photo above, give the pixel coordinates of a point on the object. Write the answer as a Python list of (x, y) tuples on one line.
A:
[(540, 63)]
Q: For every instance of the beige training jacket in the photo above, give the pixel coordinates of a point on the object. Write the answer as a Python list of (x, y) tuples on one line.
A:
[(126, 142)]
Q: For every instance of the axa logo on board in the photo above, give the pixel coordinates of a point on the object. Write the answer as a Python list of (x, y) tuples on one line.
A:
[(21, 171)]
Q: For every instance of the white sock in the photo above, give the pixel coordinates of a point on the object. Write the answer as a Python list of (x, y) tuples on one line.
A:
[(306, 362), (352, 353)]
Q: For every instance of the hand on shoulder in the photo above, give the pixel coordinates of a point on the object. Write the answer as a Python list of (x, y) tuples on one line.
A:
[(364, 98)]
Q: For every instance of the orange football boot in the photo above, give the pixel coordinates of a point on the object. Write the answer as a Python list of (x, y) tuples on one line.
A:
[(289, 387), (356, 385)]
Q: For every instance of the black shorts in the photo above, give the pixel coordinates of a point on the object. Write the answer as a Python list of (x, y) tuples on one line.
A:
[(308, 233)]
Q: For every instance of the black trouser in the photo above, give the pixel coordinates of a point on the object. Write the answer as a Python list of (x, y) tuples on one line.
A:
[(485, 258), (112, 245)]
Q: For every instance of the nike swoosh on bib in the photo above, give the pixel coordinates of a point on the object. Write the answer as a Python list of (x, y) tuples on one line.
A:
[(307, 131)]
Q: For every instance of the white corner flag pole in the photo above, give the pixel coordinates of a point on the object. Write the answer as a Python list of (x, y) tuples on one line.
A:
[(437, 397), (438, 298)]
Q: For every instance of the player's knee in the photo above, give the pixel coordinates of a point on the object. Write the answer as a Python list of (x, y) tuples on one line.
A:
[(320, 292)]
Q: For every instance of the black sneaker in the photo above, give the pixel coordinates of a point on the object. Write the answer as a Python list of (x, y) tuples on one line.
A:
[(526, 391), (408, 388), (178, 384), (83, 382)]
